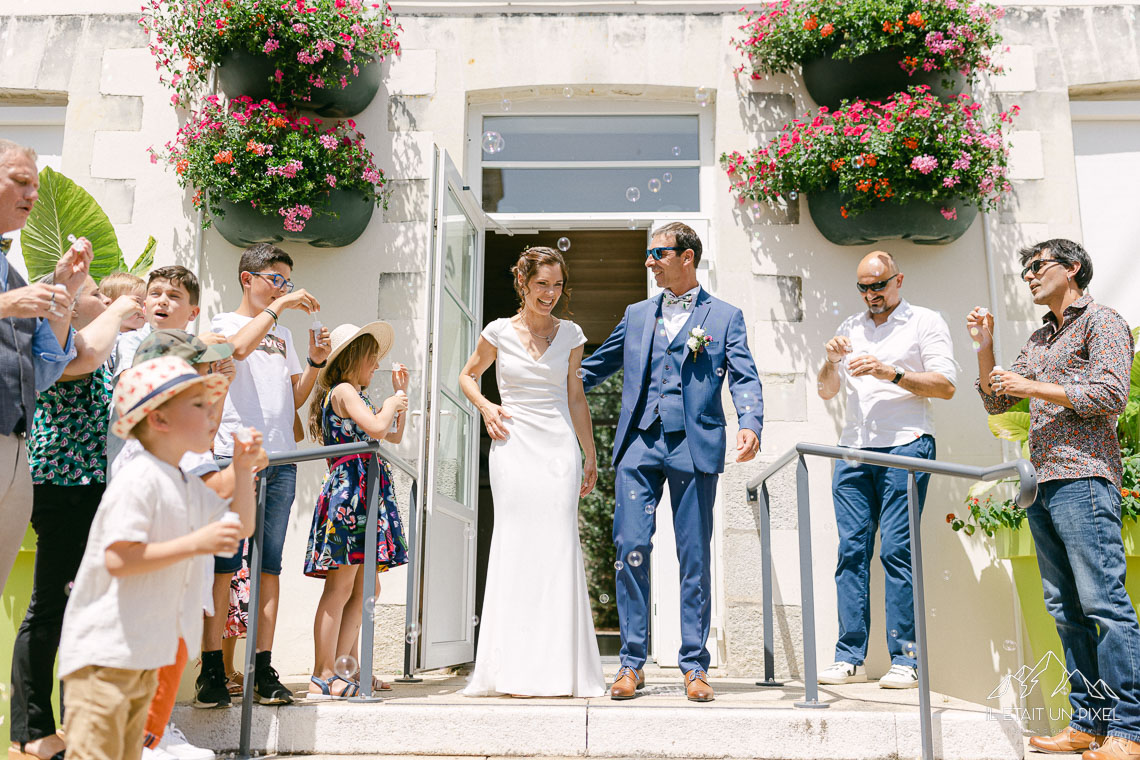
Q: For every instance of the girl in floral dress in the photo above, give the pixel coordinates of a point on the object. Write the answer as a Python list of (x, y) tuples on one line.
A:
[(341, 412)]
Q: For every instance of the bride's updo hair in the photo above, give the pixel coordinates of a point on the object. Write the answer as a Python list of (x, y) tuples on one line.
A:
[(527, 267)]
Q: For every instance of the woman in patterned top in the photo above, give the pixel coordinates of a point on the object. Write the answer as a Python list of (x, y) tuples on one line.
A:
[(1075, 372), (67, 455), (341, 412)]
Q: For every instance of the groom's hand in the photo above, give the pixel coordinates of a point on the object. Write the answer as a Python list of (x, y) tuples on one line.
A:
[(747, 445)]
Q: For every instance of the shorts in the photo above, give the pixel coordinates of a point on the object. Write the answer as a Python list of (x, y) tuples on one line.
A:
[(280, 489)]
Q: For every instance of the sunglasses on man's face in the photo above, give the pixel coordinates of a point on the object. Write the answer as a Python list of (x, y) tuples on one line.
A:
[(1037, 266), (875, 286), (656, 253)]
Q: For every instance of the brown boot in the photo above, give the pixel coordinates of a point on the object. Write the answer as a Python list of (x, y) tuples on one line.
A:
[(627, 682), (697, 687), (1114, 748), (1069, 741)]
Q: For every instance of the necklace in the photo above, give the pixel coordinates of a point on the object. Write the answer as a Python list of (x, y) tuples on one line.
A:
[(548, 338)]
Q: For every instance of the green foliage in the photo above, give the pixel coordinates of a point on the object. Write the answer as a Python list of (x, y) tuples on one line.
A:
[(932, 35), (281, 165), (145, 260), (913, 147), (310, 42), (596, 510), (1128, 426), (64, 208)]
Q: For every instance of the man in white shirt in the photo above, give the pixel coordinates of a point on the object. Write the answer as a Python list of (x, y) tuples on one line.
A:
[(891, 360)]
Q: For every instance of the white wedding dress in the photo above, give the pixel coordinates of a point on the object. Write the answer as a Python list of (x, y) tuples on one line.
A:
[(536, 635)]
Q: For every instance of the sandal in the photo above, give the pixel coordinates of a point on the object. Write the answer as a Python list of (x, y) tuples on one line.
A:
[(235, 684), (379, 685), (350, 689), (18, 751)]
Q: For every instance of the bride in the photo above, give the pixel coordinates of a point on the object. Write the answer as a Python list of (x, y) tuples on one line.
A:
[(536, 637)]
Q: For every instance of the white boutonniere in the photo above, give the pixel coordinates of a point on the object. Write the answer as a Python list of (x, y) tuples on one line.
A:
[(697, 341)]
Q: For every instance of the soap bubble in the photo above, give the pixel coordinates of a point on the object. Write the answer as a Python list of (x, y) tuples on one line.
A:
[(564, 244), (910, 649), (858, 162), (604, 598), (67, 589), (663, 335), (492, 142), (632, 194), (976, 345), (580, 373), (1008, 645), (370, 605), (567, 92), (634, 559), (619, 565), (974, 331), (933, 612), (835, 307), (667, 177), (945, 575), (469, 532), (346, 666), (793, 195), (894, 634), (654, 185), (702, 96), (650, 509), (676, 150), (506, 104), (720, 371), (632, 224), (414, 630), (474, 621)]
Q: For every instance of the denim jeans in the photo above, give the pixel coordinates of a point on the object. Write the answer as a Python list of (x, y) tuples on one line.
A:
[(1076, 526), (279, 493), (867, 496)]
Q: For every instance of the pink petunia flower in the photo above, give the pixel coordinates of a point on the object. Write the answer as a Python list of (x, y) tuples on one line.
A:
[(924, 163)]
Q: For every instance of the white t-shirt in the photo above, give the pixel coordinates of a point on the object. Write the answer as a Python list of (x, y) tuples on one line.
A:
[(261, 393), (126, 345), (192, 463), (880, 413), (134, 622)]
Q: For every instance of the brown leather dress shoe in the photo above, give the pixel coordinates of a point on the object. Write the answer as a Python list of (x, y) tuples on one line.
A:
[(697, 687), (1114, 748), (1069, 741), (627, 682)]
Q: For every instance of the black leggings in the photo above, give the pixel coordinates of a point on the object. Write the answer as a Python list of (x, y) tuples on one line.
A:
[(61, 517)]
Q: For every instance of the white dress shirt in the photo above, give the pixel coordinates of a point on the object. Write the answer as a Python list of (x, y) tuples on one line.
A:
[(678, 314), (880, 413)]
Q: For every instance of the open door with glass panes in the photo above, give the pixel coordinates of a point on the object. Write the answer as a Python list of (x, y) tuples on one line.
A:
[(447, 568)]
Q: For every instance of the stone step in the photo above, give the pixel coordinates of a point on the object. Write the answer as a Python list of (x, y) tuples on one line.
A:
[(862, 722)]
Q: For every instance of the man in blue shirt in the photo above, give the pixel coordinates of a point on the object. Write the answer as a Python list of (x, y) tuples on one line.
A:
[(36, 343)]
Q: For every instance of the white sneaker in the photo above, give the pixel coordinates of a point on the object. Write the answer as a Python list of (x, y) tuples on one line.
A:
[(842, 672), (156, 753), (900, 677), (175, 744)]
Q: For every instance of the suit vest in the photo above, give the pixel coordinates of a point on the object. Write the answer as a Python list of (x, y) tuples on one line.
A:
[(662, 398), (17, 373)]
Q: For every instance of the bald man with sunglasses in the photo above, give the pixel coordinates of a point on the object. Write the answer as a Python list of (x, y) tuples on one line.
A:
[(891, 360)]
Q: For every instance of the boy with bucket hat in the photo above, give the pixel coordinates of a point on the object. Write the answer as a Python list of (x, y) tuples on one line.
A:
[(141, 581)]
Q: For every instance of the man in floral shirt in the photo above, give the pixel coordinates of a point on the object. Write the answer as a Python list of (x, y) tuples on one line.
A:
[(1075, 372)]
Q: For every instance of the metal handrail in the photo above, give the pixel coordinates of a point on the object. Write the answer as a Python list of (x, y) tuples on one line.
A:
[(372, 495), (757, 491)]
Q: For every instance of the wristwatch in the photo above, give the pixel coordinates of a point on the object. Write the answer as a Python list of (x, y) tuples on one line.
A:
[(898, 375), (314, 365)]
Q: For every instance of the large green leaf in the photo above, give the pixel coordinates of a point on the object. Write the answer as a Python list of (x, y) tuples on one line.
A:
[(1012, 426), (64, 208), (145, 260)]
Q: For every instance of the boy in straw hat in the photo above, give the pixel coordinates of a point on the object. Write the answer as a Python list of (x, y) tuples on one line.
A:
[(140, 584)]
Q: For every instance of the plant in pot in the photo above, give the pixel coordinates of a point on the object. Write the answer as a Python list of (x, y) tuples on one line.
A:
[(871, 48), (262, 175), (320, 55), (914, 166)]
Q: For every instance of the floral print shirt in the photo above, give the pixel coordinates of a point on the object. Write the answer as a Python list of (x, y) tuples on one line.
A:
[(68, 441), (1090, 356)]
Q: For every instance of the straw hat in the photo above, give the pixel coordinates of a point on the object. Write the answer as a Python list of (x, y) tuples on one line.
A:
[(147, 386), (345, 334)]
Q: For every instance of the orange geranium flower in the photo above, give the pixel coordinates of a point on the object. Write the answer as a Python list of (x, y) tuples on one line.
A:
[(837, 164), (811, 23), (277, 121), (916, 19), (843, 211), (911, 143), (870, 159), (224, 157), (826, 30), (182, 165)]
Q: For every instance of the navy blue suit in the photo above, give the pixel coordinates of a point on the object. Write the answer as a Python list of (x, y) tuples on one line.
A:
[(672, 429)]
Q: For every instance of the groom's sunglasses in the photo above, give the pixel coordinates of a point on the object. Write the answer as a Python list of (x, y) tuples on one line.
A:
[(656, 252)]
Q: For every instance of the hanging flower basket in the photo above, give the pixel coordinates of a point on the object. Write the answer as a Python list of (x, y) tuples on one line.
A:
[(875, 76), (241, 72), (918, 221), (915, 37), (902, 163), (309, 47), (346, 216), (282, 177)]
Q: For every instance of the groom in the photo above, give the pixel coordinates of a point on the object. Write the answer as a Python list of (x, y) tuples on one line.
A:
[(676, 350)]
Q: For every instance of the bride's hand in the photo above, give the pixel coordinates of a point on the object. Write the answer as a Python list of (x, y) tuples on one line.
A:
[(493, 416), (589, 476)]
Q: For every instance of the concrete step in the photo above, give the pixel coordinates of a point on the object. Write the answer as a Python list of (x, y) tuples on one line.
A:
[(861, 722)]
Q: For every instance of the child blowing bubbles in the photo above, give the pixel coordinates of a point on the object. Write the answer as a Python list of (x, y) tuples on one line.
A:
[(341, 412), (143, 574)]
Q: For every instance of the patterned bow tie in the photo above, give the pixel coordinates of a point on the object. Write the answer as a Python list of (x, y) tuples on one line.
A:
[(5, 246), (672, 300)]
